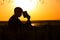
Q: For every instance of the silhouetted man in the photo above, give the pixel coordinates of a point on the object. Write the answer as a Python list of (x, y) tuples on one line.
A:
[(15, 25), (14, 22)]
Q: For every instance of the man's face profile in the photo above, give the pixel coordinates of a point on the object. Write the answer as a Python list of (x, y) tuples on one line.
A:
[(18, 11)]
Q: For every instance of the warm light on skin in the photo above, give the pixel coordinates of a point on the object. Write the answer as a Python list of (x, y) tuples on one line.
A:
[(26, 5)]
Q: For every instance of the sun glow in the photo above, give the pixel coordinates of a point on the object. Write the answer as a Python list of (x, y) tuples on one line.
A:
[(25, 4)]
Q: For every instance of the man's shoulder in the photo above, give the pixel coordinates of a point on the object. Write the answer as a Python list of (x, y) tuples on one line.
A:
[(12, 18)]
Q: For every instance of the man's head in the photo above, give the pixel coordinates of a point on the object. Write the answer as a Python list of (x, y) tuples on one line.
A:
[(18, 11)]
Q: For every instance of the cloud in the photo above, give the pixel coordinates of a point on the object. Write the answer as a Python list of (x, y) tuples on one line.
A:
[(42, 1), (58, 1)]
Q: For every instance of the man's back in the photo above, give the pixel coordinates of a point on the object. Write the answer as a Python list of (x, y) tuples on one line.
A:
[(14, 23)]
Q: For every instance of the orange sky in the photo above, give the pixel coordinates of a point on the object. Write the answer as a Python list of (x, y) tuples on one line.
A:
[(44, 10)]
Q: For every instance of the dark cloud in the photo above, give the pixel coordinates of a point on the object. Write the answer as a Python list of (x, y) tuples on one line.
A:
[(2, 2), (42, 1), (58, 1)]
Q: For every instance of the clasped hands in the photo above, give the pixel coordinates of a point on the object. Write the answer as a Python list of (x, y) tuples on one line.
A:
[(26, 15)]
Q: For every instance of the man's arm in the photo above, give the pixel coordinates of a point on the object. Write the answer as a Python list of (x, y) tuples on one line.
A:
[(28, 24)]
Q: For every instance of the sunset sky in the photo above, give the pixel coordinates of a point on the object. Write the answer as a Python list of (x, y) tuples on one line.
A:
[(37, 9)]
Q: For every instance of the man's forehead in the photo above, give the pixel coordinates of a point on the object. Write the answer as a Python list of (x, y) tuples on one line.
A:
[(18, 8)]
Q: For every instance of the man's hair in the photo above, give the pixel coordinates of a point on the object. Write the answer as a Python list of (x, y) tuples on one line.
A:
[(17, 10)]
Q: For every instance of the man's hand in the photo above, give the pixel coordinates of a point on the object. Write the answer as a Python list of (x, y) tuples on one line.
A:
[(25, 14), (28, 17)]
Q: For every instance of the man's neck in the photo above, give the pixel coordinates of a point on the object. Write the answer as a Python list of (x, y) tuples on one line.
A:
[(15, 16)]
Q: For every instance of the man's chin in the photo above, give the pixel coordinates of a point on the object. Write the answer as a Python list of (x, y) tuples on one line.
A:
[(18, 16)]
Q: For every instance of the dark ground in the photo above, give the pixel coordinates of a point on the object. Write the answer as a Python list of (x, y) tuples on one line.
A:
[(47, 30)]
